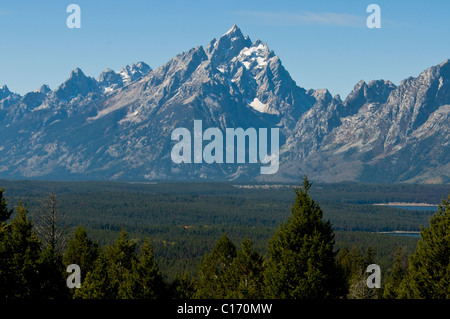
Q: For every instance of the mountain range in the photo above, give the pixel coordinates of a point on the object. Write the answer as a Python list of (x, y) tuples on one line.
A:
[(118, 126)]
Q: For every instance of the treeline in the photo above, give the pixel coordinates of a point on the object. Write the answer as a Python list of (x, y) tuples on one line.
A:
[(301, 262)]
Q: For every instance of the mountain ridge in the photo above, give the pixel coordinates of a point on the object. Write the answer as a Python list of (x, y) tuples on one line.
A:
[(118, 126)]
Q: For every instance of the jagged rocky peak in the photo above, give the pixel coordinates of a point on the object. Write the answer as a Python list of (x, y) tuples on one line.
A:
[(78, 84), (36, 98), (4, 92), (337, 98), (182, 65), (444, 68), (141, 67), (431, 78), (7, 97), (322, 94), (227, 46), (110, 80), (134, 72), (376, 91), (377, 134), (44, 89), (431, 86)]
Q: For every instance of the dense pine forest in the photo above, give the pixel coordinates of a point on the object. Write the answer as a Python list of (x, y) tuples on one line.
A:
[(221, 240)]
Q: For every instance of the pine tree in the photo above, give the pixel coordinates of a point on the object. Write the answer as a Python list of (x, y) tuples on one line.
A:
[(52, 275), (214, 270), (429, 270), (120, 258), (369, 257), (81, 251), (246, 273), (5, 213), (97, 284), (145, 280), (302, 258), (25, 248), (6, 253), (399, 272), (183, 287), (351, 264), (109, 278)]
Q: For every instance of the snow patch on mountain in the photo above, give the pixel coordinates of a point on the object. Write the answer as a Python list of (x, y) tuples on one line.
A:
[(257, 105)]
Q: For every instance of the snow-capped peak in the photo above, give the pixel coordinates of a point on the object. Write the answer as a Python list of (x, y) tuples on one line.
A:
[(257, 55), (134, 72), (234, 29), (227, 46)]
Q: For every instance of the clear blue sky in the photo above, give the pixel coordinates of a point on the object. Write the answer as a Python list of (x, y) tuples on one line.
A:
[(323, 44)]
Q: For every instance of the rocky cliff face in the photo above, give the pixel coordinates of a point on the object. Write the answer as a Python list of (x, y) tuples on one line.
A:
[(373, 134), (119, 125)]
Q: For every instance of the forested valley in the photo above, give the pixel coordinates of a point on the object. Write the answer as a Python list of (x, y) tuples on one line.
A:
[(219, 240)]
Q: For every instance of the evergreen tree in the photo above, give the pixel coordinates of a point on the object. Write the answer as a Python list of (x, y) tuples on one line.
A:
[(25, 249), (81, 251), (183, 287), (399, 272), (6, 253), (5, 213), (110, 276), (97, 284), (302, 258), (144, 281), (214, 270), (25, 272), (429, 269), (369, 257), (351, 264), (120, 258), (246, 273), (52, 275)]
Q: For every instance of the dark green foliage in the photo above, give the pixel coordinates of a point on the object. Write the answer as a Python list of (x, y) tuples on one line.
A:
[(20, 251), (120, 258), (144, 281), (183, 287), (5, 213), (350, 263), (52, 276), (162, 210), (247, 273), (185, 225), (302, 257), (429, 270), (26, 253), (120, 272), (97, 284), (81, 250), (227, 273), (393, 287), (214, 277)]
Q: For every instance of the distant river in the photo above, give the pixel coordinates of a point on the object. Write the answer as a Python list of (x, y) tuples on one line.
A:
[(424, 207), (428, 208), (401, 233)]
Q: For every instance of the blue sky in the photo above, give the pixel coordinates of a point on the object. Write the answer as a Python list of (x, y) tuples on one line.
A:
[(323, 44)]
